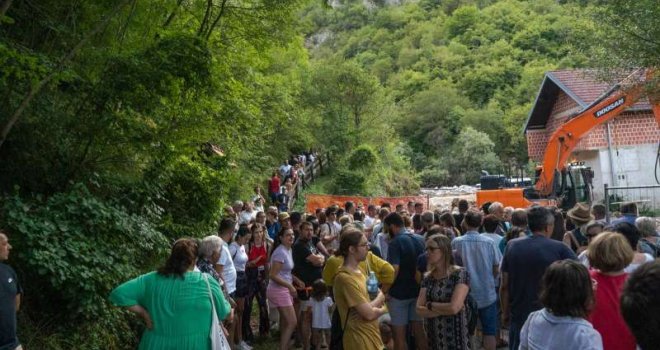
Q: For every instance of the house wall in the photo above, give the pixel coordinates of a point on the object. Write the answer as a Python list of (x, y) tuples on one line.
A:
[(633, 166)]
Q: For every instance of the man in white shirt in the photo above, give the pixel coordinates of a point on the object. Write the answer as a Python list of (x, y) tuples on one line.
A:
[(247, 215), (285, 170), (225, 265), (330, 231)]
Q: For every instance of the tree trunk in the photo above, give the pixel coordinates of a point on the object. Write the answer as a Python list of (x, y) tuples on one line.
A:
[(217, 19), (172, 14)]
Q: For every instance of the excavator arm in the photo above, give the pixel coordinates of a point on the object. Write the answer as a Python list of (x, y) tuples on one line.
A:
[(568, 135)]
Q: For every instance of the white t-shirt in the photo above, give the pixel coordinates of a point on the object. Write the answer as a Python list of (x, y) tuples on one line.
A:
[(321, 313), (246, 216), (239, 256), (228, 269), (284, 170), (331, 230), (369, 222), (258, 204)]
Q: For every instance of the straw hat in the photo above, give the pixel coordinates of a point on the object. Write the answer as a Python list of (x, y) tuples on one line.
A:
[(580, 214)]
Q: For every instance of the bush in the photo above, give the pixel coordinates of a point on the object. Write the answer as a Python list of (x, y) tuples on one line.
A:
[(433, 177), (363, 157), (70, 251), (348, 182), (192, 197)]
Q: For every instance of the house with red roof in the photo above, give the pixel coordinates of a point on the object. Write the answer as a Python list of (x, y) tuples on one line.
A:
[(621, 152)]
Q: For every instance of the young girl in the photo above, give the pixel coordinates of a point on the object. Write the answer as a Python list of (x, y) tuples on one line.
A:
[(321, 306)]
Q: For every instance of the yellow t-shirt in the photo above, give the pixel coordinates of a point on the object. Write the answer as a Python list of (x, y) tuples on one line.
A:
[(383, 270), (350, 290)]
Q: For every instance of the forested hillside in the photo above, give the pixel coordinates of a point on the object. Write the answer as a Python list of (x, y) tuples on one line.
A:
[(462, 74)]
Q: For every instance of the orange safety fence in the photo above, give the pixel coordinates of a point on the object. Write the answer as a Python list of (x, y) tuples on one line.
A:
[(315, 201)]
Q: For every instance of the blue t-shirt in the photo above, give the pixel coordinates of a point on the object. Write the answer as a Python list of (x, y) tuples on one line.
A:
[(273, 230), (525, 261), (403, 251)]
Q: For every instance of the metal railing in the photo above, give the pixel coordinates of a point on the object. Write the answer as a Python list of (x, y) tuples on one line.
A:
[(647, 199)]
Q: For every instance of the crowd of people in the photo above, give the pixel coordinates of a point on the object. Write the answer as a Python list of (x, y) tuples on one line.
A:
[(398, 278)]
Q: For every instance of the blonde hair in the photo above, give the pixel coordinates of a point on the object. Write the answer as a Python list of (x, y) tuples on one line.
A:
[(610, 252)]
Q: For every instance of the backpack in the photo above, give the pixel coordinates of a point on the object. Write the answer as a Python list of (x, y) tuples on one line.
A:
[(336, 329)]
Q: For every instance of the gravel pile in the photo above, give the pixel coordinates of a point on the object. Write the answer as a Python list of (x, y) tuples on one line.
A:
[(449, 191)]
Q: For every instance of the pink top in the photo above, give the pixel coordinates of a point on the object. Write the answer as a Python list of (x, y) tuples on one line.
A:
[(606, 317)]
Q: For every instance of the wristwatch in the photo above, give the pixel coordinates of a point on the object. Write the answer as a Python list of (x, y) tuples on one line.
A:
[(429, 305)]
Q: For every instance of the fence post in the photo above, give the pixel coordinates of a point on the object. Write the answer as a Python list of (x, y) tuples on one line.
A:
[(607, 204)]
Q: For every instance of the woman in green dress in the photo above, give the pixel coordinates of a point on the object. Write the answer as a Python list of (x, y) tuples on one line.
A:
[(174, 302)]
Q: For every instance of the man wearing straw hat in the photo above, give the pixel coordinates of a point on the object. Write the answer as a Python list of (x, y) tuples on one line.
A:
[(580, 216)]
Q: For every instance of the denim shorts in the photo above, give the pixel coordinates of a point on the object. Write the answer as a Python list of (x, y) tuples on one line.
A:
[(489, 319), (402, 311)]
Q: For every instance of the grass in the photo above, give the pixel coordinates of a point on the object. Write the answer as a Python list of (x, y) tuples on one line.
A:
[(321, 185)]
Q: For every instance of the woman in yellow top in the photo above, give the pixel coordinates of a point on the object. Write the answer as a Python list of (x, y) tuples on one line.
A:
[(383, 270), (359, 316)]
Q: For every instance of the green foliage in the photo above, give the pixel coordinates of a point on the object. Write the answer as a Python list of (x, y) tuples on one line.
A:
[(472, 152), (192, 196), (448, 65), (72, 249), (433, 176), (620, 34), (348, 182), (362, 157), (125, 117)]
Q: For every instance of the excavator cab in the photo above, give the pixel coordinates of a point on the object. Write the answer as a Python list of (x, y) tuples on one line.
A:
[(573, 185)]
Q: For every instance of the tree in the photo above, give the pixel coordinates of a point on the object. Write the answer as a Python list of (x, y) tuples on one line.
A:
[(626, 35), (472, 152)]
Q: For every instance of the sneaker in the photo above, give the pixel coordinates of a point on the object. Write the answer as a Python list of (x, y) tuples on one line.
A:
[(243, 346)]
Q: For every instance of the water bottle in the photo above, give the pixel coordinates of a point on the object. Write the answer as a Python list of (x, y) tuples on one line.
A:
[(372, 285)]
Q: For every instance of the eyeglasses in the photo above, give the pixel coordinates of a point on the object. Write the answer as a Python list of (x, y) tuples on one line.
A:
[(363, 244), (430, 249)]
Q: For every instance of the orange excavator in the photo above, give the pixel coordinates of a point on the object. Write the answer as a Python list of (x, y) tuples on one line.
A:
[(557, 182)]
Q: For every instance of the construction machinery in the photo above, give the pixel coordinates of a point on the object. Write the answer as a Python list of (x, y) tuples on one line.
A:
[(559, 183)]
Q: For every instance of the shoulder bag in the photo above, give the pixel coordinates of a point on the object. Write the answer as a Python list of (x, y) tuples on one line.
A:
[(218, 339)]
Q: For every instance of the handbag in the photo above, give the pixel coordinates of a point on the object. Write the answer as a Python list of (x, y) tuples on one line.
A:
[(218, 339)]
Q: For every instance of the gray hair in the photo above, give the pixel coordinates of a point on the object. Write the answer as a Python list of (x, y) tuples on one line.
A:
[(593, 224), (647, 226), (428, 216), (209, 245), (495, 206)]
